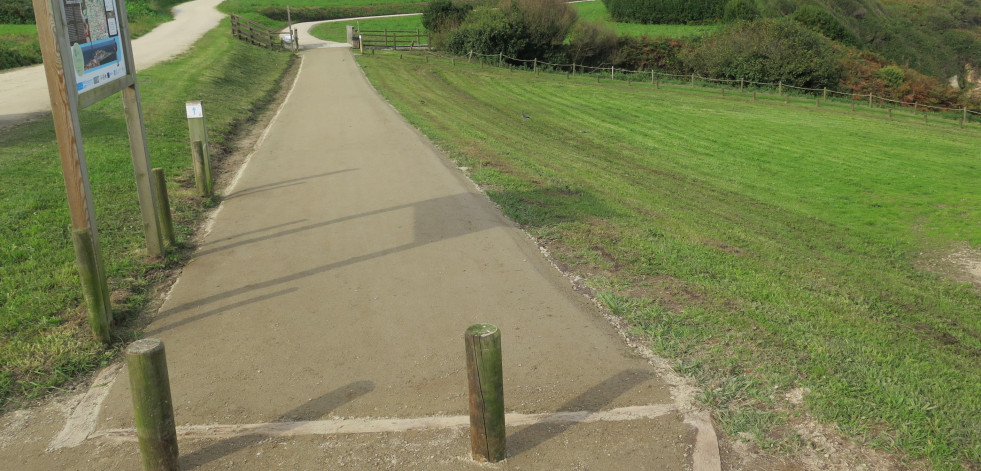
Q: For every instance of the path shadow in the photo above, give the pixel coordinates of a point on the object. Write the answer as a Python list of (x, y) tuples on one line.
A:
[(593, 400), (434, 220), (314, 409), (282, 184), (212, 312)]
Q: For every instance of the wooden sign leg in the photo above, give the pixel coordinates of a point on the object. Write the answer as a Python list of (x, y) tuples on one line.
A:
[(141, 169)]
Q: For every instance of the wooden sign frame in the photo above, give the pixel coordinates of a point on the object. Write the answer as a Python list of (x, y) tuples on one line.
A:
[(54, 34)]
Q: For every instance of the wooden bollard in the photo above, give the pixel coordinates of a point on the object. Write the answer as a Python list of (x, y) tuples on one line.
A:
[(200, 178), (163, 205), (485, 378), (153, 409), (94, 287), (723, 92)]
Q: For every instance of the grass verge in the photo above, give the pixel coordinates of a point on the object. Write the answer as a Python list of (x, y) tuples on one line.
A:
[(596, 11), (769, 249), (44, 338), (337, 31)]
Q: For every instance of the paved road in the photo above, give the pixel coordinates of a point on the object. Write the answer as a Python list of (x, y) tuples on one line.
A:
[(24, 91), (320, 324)]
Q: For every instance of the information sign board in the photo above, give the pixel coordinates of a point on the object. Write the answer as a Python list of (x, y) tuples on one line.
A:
[(96, 46)]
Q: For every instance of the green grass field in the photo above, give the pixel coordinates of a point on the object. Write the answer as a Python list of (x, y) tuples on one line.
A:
[(761, 246), (596, 11), (338, 31), (44, 338)]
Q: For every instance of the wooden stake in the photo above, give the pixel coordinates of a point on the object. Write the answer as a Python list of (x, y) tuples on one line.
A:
[(652, 76), (870, 99), (740, 85), (163, 205), (723, 92), (817, 102), (853, 105), (153, 409), (197, 126), (692, 80), (133, 110), (485, 379), (825, 96), (890, 113), (200, 179), (780, 87), (90, 271)]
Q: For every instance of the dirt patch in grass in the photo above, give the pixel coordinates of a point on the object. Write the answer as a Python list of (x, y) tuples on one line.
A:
[(962, 264)]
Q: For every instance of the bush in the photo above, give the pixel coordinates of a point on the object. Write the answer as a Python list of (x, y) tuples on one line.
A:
[(547, 23), (14, 54), (822, 21), (590, 43), (892, 75), (444, 14), (488, 32), (767, 50), (740, 10), (664, 11), (16, 12), (644, 52)]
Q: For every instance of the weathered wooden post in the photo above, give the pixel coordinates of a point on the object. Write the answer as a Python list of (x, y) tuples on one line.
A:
[(485, 378), (817, 102), (740, 85), (535, 66), (200, 178), (453, 61), (93, 284), (723, 92), (786, 99), (500, 59), (163, 205), (612, 71), (197, 126), (870, 99), (652, 76), (915, 105), (693, 80), (780, 87), (153, 408), (657, 85), (890, 113), (964, 116)]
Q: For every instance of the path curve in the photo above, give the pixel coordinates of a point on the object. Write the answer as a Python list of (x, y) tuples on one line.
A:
[(24, 91), (309, 41)]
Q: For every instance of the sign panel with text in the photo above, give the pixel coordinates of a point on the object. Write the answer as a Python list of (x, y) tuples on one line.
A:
[(96, 46)]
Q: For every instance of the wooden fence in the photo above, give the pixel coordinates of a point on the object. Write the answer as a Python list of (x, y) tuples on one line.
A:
[(394, 39), (254, 33)]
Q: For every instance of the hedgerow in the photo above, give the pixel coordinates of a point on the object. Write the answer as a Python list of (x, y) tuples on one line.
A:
[(665, 11)]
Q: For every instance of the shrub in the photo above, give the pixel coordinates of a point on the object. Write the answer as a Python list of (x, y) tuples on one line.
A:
[(16, 12), (547, 23), (664, 11), (487, 31), (591, 42), (892, 75), (14, 54), (444, 14), (740, 10), (767, 50), (822, 21), (644, 52)]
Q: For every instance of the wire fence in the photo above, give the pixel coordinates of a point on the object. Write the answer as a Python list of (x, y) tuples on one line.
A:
[(655, 76)]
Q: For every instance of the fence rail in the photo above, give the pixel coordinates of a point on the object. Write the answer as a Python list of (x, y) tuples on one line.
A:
[(254, 33), (653, 75), (394, 39)]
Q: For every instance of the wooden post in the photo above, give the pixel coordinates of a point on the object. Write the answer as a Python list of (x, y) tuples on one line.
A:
[(786, 99), (141, 170), (657, 85), (612, 71), (924, 118), (500, 59), (153, 408), (89, 270), (780, 87), (964, 117), (163, 205), (915, 105), (485, 378), (453, 61), (535, 66), (693, 80), (740, 85), (723, 91), (870, 99), (197, 126), (817, 102), (64, 114), (419, 41), (652, 76), (200, 178), (853, 105), (597, 78), (386, 37), (890, 113)]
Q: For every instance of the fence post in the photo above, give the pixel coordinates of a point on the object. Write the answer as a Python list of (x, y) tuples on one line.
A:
[(825, 96), (500, 58), (740, 85), (485, 379), (535, 66), (153, 408), (870, 99), (419, 39), (915, 105), (163, 205), (964, 118), (612, 77), (386, 37), (395, 40), (94, 284), (652, 76), (780, 87), (817, 102), (693, 80), (723, 91)]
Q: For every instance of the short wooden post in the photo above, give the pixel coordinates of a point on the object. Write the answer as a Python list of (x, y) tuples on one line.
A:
[(197, 126), (817, 102), (870, 99), (740, 85), (612, 72), (723, 92), (692, 80), (853, 105), (485, 378), (780, 87), (163, 205), (597, 78), (453, 62), (657, 85), (535, 66), (825, 96), (153, 408), (500, 59), (890, 113), (94, 284), (652, 76), (915, 105), (964, 116), (200, 179), (469, 55), (786, 99)]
